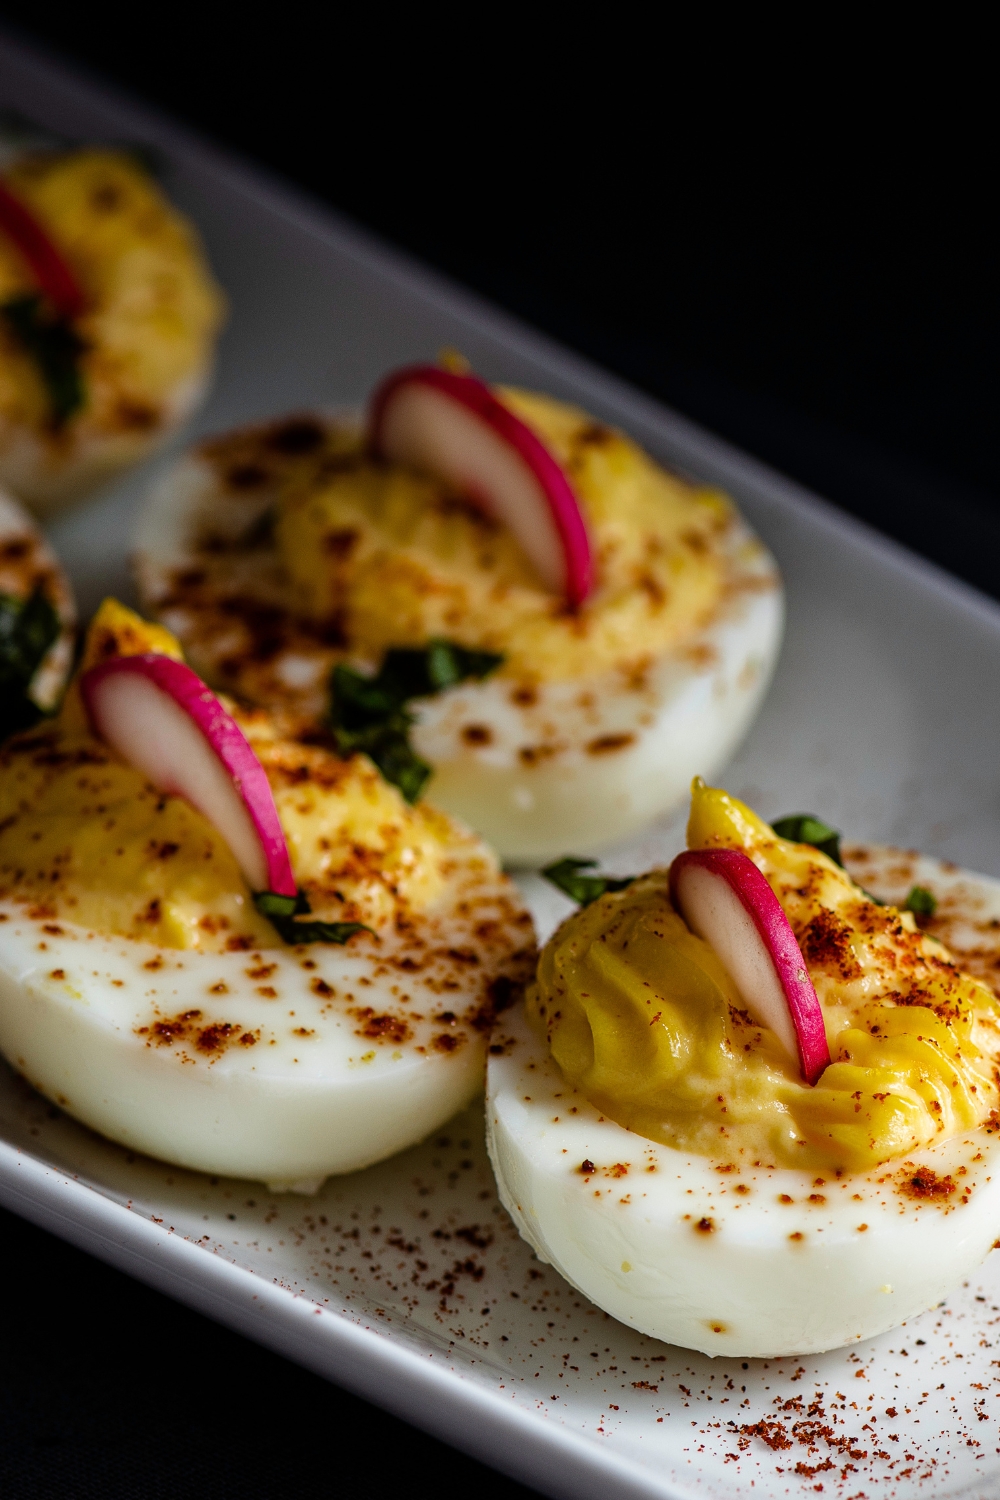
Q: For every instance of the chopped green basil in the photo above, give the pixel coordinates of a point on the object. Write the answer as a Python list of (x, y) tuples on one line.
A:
[(281, 912), (370, 713), (27, 629), (55, 347), (921, 901), (803, 828), (583, 889)]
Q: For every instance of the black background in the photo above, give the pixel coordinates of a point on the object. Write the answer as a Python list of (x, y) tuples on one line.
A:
[(787, 234)]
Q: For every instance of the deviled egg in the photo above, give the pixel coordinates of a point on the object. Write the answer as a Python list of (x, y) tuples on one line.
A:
[(231, 950), (108, 320), (488, 589), (37, 622), (748, 1109)]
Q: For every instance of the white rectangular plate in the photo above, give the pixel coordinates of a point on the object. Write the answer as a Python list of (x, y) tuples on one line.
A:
[(407, 1282)]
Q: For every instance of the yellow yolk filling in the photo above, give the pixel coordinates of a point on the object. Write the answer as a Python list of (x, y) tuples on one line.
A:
[(643, 1019), (394, 558), (84, 837), (152, 308)]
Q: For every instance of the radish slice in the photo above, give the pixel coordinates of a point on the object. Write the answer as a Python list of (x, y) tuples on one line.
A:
[(725, 899), (160, 717), (454, 426), (50, 270)]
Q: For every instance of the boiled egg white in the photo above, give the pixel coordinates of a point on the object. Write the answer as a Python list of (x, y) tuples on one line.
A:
[(537, 769), (745, 1261), (141, 343), (282, 1065), (145, 991)]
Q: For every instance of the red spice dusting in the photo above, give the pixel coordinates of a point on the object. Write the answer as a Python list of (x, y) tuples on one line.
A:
[(340, 544), (503, 992), (925, 1183), (607, 744), (165, 1033), (386, 1028), (810, 1431), (770, 1432), (214, 1038), (296, 435), (210, 1039), (826, 944), (475, 1235)]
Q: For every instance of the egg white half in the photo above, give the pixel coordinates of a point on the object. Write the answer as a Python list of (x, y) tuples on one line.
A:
[(591, 761), (679, 1247), (568, 768), (49, 479), (282, 1065)]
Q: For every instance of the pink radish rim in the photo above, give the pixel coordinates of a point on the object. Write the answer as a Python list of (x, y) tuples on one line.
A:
[(223, 737), (55, 277), (475, 395), (745, 879)]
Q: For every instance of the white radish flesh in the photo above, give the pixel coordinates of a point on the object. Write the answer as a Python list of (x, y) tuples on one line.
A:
[(725, 899), (453, 426), (161, 718)]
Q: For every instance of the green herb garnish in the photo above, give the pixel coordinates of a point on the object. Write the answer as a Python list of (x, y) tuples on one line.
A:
[(55, 347), (803, 828), (281, 912), (583, 889), (921, 901), (370, 713), (27, 629)]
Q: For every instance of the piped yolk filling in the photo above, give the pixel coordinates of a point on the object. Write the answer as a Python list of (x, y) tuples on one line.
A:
[(390, 557), (643, 1019), (84, 837), (152, 308)]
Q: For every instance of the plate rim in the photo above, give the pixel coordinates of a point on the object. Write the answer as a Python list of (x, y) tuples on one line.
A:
[(557, 1460)]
